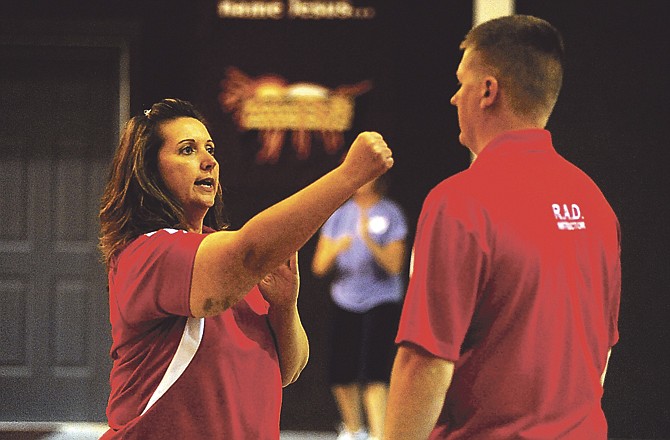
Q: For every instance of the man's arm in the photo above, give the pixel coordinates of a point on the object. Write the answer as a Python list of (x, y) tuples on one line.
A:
[(419, 384)]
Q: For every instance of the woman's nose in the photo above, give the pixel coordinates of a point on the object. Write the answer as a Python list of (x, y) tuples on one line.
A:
[(208, 162)]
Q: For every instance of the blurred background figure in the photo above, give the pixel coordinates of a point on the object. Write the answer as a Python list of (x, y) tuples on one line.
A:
[(362, 246)]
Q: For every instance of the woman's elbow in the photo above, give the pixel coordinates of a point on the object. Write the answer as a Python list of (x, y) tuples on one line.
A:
[(286, 381), (290, 377)]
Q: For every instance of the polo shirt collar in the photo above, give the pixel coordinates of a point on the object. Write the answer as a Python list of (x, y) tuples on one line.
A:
[(518, 141)]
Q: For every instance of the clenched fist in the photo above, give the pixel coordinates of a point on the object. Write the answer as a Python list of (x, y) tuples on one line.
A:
[(368, 158)]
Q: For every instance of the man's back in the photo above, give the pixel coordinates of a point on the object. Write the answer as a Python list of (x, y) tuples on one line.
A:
[(527, 294)]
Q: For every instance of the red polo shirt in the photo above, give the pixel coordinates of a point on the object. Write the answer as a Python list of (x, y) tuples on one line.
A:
[(230, 389), (517, 280)]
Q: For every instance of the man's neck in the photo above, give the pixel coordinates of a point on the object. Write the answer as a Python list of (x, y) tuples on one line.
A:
[(499, 126)]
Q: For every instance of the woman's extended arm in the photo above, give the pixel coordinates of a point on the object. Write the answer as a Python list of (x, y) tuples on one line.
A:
[(228, 264)]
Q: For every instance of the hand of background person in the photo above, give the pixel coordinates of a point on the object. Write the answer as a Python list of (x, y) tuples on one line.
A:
[(327, 250), (368, 158), (280, 287)]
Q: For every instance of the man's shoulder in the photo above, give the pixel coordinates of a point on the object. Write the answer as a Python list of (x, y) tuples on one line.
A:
[(457, 185), (456, 197)]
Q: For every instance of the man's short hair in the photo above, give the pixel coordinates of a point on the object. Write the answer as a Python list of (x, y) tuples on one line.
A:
[(526, 55)]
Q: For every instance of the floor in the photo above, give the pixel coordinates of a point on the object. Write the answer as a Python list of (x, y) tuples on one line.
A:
[(93, 431)]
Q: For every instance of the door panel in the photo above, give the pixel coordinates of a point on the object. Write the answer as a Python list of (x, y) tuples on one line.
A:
[(58, 128)]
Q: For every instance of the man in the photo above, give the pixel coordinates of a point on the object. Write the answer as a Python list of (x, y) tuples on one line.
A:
[(512, 306)]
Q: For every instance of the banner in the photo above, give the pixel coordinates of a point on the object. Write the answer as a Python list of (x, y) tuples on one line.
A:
[(273, 107), (293, 9)]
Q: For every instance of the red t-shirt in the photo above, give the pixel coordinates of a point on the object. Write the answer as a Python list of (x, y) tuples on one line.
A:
[(517, 280), (231, 389)]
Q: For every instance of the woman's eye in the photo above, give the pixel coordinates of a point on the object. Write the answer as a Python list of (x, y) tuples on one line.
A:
[(210, 149), (188, 149)]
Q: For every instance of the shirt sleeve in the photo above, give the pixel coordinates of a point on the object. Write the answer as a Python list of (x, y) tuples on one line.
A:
[(153, 275), (449, 264)]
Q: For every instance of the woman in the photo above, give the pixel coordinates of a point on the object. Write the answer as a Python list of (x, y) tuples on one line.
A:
[(205, 324), (363, 243)]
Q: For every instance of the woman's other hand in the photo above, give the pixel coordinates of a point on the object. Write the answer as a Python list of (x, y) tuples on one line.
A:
[(280, 287)]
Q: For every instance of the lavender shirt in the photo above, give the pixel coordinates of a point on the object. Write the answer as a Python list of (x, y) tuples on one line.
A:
[(360, 283)]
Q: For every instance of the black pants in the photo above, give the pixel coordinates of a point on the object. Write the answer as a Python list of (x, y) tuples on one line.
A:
[(363, 347)]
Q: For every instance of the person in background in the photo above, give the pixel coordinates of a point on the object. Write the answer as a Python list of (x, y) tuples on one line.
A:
[(205, 325), (512, 305), (363, 245)]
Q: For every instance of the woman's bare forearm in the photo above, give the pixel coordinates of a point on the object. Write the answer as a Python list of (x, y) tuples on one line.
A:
[(292, 343)]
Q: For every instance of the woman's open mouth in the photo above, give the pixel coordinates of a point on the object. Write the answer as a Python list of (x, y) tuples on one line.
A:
[(207, 183)]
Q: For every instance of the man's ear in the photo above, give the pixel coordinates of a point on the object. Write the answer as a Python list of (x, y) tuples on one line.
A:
[(489, 91)]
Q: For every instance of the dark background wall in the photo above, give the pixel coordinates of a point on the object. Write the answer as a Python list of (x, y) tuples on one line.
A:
[(609, 120)]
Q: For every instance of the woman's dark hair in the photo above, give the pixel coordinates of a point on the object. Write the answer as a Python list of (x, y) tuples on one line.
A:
[(136, 200)]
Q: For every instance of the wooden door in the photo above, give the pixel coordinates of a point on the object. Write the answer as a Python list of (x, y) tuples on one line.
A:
[(59, 124)]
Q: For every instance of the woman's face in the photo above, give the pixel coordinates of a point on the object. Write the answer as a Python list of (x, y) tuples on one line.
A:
[(187, 165)]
